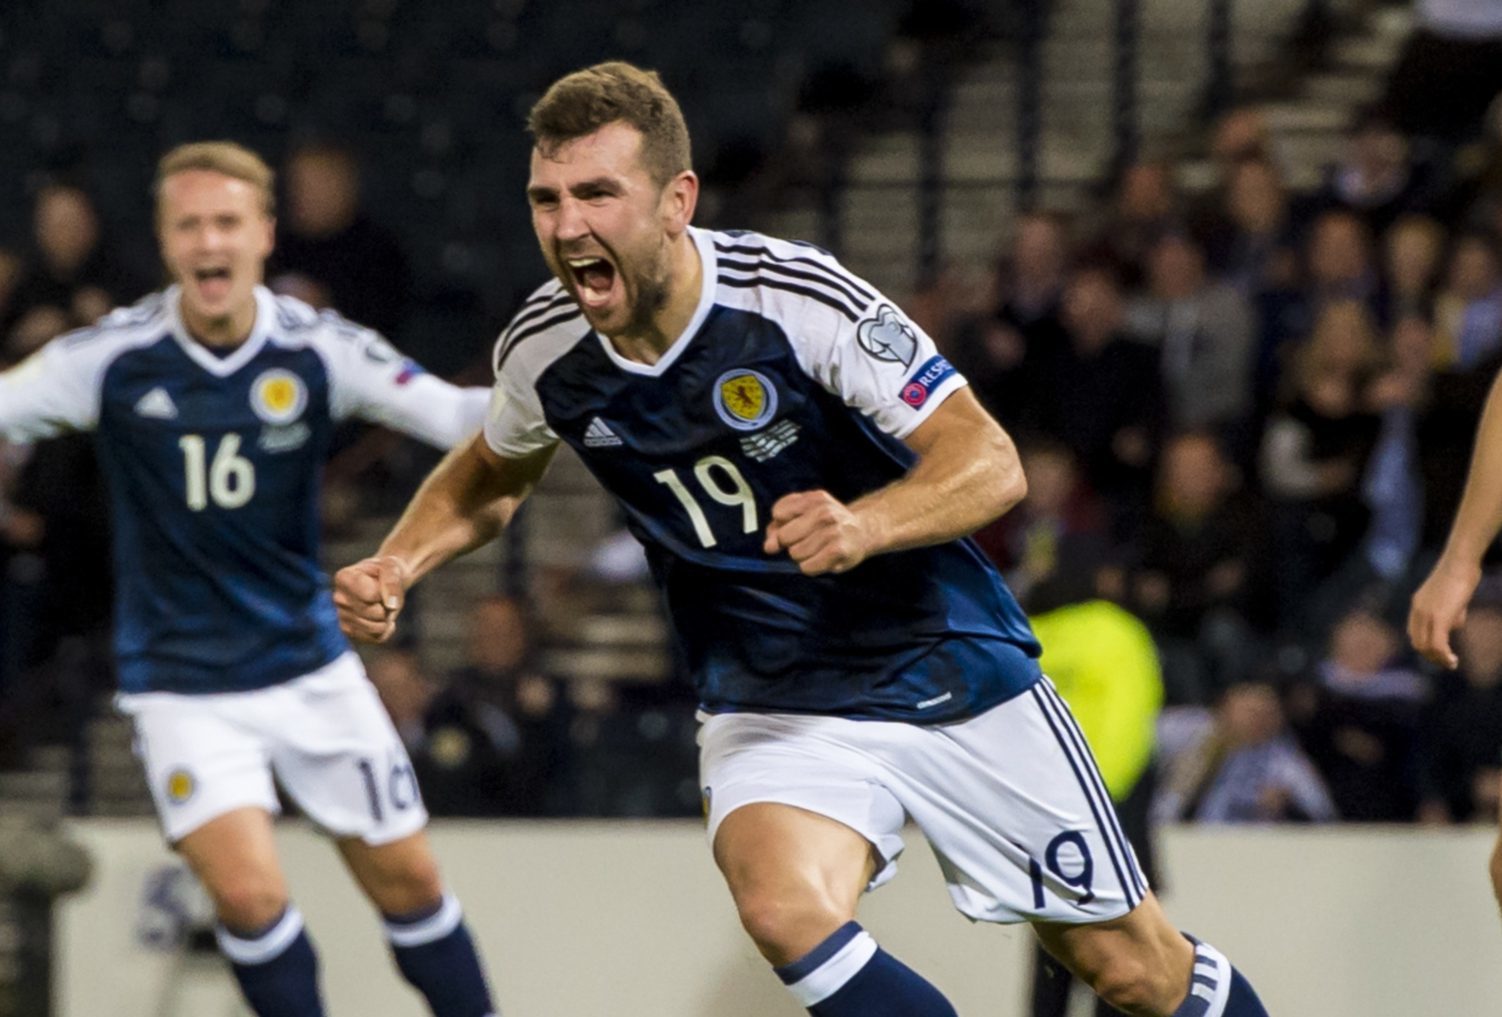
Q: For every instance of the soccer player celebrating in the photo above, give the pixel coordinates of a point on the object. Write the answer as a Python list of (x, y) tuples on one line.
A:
[(803, 469), (1439, 605), (213, 403)]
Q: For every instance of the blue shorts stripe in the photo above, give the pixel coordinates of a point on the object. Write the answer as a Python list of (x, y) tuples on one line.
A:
[(1105, 831), (1094, 770)]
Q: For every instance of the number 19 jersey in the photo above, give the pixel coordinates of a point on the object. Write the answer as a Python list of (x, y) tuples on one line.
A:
[(792, 376)]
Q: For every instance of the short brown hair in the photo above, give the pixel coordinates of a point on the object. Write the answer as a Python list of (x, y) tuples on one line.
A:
[(584, 101), (227, 157)]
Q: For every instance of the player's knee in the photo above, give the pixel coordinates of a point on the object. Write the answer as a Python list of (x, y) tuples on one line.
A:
[(1132, 986), (247, 903), (409, 884), (784, 925)]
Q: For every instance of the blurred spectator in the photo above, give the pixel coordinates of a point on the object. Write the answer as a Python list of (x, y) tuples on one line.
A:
[(636, 749), (1358, 718), (1251, 244), (1411, 256), (1392, 486), (1461, 769), (995, 350), (1205, 337), (1376, 179), (1338, 267), (501, 716), (1468, 311), (330, 253), (1059, 521), (1314, 453), (1145, 206), (1197, 571), (1239, 136), (70, 272), (1099, 393), (1237, 764)]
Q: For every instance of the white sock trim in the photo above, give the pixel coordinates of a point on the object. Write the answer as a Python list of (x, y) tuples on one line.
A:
[(429, 930), (265, 948), (830, 977), (1222, 992)]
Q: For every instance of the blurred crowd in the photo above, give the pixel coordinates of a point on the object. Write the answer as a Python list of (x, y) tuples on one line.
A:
[(1246, 417), (1245, 413)]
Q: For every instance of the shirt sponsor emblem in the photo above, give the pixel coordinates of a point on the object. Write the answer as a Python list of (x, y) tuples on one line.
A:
[(745, 399), (284, 438), (180, 786), (156, 404), (888, 337), (599, 435), (928, 377), (278, 396), (770, 442)]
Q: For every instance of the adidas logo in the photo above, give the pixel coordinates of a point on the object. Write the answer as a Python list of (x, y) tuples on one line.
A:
[(158, 404), (599, 435)]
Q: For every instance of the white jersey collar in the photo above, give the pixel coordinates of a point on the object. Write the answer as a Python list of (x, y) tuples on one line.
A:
[(704, 241), (222, 367)]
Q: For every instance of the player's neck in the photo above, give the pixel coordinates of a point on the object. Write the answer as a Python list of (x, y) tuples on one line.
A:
[(223, 332), (648, 343)]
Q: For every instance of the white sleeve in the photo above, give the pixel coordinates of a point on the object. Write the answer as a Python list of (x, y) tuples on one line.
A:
[(372, 381), (54, 390), (882, 364), (515, 426)]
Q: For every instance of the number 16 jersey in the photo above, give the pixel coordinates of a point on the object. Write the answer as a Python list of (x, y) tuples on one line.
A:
[(793, 375), (214, 465)]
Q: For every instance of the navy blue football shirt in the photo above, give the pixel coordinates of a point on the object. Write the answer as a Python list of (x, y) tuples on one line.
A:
[(214, 466), (793, 375)]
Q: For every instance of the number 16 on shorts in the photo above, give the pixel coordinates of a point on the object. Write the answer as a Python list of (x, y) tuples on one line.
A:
[(389, 784)]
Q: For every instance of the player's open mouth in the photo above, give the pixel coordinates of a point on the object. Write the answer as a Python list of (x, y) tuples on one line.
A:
[(213, 283), (594, 280)]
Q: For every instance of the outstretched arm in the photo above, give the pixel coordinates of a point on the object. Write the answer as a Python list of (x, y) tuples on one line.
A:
[(466, 501), (967, 474), (1439, 606)]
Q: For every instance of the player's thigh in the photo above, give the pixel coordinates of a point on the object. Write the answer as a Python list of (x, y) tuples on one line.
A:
[(203, 756), (804, 806), (337, 754), (234, 856), (399, 877), (783, 850), (1143, 938), (1016, 813)]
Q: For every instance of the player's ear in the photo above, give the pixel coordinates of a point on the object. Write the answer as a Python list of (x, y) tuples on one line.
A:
[(679, 199)]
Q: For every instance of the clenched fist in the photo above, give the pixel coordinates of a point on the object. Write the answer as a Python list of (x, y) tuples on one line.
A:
[(818, 531), (369, 595)]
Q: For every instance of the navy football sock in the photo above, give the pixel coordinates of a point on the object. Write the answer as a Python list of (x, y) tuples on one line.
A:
[(276, 967), (848, 975), (434, 952), (1216, 989)]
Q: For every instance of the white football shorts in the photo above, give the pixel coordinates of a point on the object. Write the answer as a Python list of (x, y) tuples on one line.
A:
[(325, 736), (1010, 801)]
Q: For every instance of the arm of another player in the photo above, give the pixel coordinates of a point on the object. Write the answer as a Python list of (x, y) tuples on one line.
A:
[(48, 393), (377, 383), (465, 502), (1439, 605), (967, 474)]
